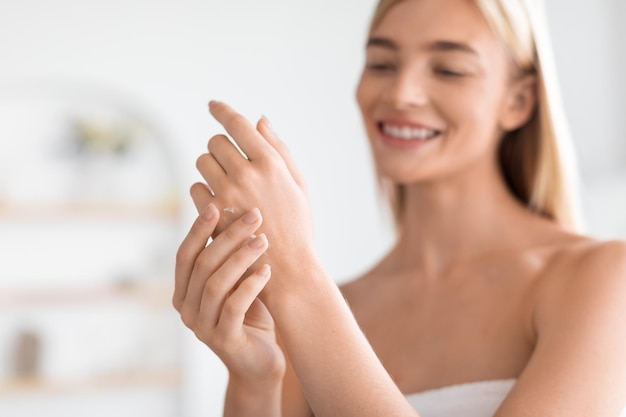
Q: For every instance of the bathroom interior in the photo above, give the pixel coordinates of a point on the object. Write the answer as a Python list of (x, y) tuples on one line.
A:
[(103, 112)]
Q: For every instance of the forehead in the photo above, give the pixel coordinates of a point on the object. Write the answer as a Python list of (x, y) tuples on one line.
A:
[(415, 23)]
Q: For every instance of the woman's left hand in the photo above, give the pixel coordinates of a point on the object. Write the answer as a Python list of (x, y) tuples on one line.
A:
[(266, 179)]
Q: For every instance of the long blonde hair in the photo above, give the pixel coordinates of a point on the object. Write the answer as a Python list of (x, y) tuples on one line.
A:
[(537, 160)]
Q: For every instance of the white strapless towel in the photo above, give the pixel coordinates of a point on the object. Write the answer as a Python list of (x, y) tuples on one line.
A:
[(472, 399)]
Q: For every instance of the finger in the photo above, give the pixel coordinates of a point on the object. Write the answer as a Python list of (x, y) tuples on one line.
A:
[(221, 286), (226, 154), (201, 196), (235, 307), (265, 128), (211, 171), (215, 254), (245, 135), (188, 251)]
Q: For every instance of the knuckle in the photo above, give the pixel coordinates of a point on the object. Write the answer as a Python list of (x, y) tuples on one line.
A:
[(219, 343), (270, 161), (239, 169), (249, 178), (181, 256), (177, 302), (232, 233), (231, 308), (213, 290), (204, 264), (247, 288), (202, 160), (187, 317), (215, 142), (250, 287), (246, 256), (193, 190), (241, 256), (198, 190), (205, 337), (204, 331)]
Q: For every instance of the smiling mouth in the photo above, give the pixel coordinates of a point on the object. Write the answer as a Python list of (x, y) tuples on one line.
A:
[(407, 133)]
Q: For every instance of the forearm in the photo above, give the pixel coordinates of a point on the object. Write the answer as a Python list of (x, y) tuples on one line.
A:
[(338, 370), (336, 366), (245, 400)]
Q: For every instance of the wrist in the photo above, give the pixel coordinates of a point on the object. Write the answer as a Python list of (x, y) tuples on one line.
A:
[(253, 398), (301, 280), (254, 387), (298, 289)]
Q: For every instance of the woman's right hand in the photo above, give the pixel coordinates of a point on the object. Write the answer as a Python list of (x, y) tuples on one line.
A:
[(216, 296)]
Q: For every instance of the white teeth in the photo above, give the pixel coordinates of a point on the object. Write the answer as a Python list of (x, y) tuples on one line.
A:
[(408, 133)]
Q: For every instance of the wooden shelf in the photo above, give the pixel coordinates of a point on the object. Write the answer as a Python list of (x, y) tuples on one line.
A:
[(166, 378), (167, 211), (149, 294)]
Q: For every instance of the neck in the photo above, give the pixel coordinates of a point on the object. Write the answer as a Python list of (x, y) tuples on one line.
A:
[(461, 218)]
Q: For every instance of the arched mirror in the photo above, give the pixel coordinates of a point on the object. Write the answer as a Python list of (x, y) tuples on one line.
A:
[(89, 215)]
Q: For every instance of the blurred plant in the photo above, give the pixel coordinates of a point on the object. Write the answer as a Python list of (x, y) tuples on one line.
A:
[(93, 138)]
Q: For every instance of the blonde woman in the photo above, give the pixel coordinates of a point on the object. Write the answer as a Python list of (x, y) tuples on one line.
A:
[(490, 303)]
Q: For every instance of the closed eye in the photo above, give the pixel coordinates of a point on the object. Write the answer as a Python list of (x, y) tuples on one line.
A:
[(449, 73), (380, 67)]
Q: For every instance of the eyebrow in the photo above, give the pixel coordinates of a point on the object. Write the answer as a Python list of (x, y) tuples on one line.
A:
[(452, 46), (381, 42), (437, 46)]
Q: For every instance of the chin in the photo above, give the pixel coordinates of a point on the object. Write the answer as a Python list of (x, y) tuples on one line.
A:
[(398, 175)]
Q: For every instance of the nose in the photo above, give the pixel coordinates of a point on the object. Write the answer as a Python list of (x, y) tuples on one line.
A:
[(406, 90)]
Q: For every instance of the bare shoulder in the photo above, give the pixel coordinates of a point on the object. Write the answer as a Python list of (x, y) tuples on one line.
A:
[(577, 366), (587, 259), (582, 273)]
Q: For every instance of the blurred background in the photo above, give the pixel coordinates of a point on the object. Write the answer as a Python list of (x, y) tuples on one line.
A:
[(103, 111)]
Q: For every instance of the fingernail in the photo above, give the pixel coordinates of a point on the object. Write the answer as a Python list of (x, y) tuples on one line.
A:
[(267, 122), (212, 103), (265, 271), (209, 212), (251, 217), (258, 242), (249, 239)]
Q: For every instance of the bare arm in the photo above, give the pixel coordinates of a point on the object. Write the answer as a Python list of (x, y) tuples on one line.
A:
[(338, 370), (294, 403), (254, 401), (578, 367), (339, 373)]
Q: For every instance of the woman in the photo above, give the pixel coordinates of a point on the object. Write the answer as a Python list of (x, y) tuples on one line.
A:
[(488, 301)]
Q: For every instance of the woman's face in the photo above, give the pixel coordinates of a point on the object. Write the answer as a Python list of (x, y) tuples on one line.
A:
[(434, 90)]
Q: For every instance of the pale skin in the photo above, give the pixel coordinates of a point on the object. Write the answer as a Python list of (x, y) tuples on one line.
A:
[(477, 287)]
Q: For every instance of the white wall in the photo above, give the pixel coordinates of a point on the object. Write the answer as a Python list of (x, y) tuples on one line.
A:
[(591, 58), (588, 38), (297, 62)]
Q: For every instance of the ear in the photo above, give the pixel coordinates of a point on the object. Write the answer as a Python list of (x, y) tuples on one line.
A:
[(519, 104)]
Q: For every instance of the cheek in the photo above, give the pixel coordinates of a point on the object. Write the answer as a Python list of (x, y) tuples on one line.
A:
[(367, 93), (363, 93), (473, 114)]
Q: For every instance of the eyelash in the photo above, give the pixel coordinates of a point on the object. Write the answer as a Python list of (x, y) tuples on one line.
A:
[(448, 73), (380, 67), (443, 72)]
